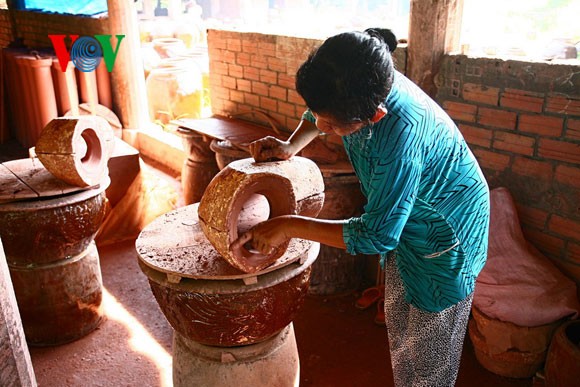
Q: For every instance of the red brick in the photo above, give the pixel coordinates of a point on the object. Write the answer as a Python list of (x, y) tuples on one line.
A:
[(268, 104), (236, 96), (267, 47), (532, 217), (481, 93), (251, 73), (568, 175), (243, 59), (532, 168), (259, 62), (229, 57), (260, 88), (249, 46), (559, 150), (573, 129), (228, 82), (460, 111), (573, 254), (522, 100), (268, 76), (278, 92), (566, 227), (244, 85), (547, 244), (287, 81), (542, 125), (497, 118), (476, 136), (514, 143), (563, 105), (252, 99), (234, 45), (235, 71), (277, 64), (492, 160), (287, 109)]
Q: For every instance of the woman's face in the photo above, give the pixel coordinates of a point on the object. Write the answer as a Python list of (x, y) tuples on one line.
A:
[(329, 125)]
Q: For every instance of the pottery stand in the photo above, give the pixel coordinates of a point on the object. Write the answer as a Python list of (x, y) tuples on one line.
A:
[(230, 328), (232, 309)]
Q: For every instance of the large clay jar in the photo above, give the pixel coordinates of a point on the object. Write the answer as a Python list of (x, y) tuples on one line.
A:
[(563, 362), (76, 149), (293, 186)]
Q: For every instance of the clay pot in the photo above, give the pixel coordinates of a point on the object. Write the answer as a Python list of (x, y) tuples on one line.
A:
[(293, 186), (199, 167), (563, 361), (88, 87), (510, 363), (44, 89), (207, 300), (44, 231), (225, 153), (54, 264), (76, 149)]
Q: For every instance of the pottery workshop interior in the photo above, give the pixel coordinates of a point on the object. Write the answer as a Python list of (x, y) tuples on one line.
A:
[(209, 193)]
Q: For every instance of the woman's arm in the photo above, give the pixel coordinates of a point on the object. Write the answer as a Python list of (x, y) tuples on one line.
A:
[(269, 148), (270, 234)]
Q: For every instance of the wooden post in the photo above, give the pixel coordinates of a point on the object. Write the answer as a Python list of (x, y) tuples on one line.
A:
[(16, 366), (127, 78), (433, 31)]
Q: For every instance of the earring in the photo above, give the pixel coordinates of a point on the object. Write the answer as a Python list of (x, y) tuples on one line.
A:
[(380, 113)]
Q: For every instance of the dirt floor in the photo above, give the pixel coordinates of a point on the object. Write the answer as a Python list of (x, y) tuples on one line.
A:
[(338, 344)]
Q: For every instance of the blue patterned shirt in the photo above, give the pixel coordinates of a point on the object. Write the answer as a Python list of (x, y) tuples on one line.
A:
[(426, 197)]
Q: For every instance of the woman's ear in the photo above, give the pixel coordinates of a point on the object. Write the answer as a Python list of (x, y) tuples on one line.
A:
[(380, 113)]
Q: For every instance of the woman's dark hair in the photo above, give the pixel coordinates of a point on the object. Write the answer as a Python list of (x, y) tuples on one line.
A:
[(349, 75)]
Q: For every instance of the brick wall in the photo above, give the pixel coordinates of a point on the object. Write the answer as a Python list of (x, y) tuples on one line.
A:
[(522, 120), (252, 71), (34, 27)]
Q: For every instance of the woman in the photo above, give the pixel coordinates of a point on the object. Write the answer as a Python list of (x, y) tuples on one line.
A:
[(427, 210)]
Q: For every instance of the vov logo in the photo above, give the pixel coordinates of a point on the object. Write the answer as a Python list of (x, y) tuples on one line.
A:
[(86, 52)]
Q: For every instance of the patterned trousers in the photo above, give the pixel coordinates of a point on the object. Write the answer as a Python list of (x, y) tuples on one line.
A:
[(425, 347)]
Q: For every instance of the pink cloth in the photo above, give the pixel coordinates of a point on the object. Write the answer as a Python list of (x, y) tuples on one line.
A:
[(518, 283)]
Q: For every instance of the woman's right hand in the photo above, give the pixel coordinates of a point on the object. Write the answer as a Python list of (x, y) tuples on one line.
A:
[(270, 148)]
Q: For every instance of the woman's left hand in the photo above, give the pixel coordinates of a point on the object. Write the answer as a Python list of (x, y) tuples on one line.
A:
[(265, 236)]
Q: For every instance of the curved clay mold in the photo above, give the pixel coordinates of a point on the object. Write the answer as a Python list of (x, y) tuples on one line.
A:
[(292, 186), (76, 149)]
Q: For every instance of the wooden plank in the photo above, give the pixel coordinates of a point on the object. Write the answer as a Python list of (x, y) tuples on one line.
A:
[(239, 132), (38, 180), (12, 187)]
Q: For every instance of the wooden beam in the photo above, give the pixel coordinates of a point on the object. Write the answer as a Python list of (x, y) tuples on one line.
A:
[(127, 77), (16, 366), (433, 31)]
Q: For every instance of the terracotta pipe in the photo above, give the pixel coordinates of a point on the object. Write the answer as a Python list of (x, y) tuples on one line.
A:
[(31, 121), (104, 85), (44, 89), (15, 88), (66, 88), (88, 88)]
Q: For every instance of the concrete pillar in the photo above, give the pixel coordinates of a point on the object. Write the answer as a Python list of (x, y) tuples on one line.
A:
[(127, 80), (16, 366), (434, 28)]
